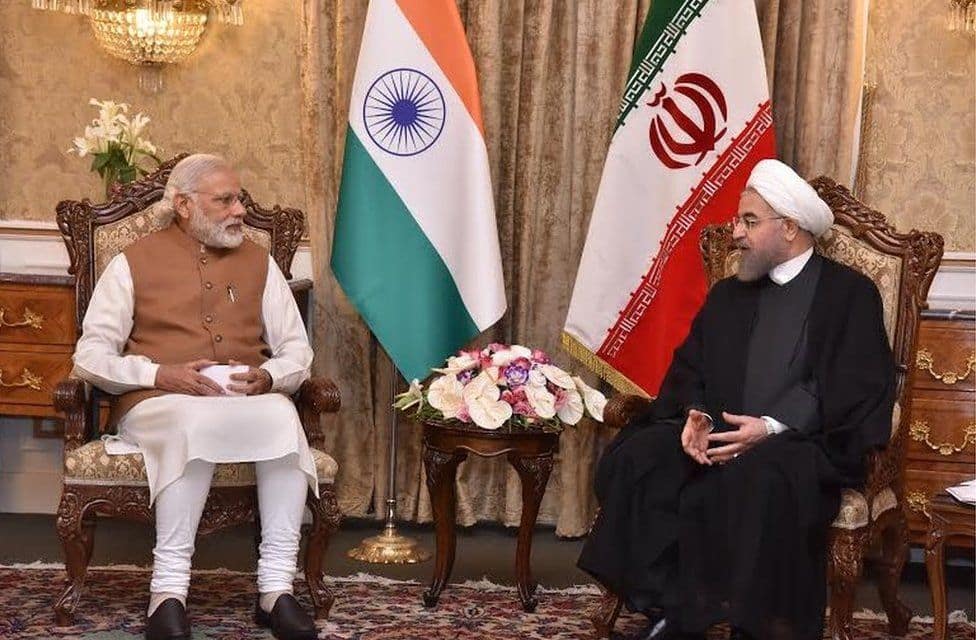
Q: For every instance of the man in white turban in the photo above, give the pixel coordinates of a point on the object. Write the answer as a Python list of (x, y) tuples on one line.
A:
[(715, 503)]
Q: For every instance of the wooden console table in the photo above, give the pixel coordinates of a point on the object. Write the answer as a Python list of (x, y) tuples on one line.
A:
[(950, 519), (37, 338), (529, 452)]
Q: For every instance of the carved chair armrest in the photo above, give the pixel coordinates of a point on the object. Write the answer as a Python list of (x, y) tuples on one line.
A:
[(315, 397), (72, 398), (622, 408)]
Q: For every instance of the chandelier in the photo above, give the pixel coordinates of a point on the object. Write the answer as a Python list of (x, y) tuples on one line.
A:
[(149, 32), (962, 15)]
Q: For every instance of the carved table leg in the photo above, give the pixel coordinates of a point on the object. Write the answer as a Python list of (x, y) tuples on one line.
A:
[(441, 469), (534, 473), (935, 567)]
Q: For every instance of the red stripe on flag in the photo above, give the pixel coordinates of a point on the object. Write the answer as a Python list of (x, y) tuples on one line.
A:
[(657, 316)]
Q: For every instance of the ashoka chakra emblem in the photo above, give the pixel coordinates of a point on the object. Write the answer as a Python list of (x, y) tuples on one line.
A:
[(404, 112)]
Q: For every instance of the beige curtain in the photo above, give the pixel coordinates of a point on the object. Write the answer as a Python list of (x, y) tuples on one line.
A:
[(551, 73)]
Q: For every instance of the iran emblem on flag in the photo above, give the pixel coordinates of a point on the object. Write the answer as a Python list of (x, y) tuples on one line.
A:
[(694, 119)]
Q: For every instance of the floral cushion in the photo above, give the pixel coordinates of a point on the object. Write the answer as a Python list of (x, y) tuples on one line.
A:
[(113, 238), (854, 512), (883, 269), (91, 464)]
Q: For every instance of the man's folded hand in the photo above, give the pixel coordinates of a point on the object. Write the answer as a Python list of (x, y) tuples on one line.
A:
[(252, 382), (186, 378)]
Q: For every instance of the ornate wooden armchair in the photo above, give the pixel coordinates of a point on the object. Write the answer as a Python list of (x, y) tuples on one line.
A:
[(902, 266), (96, 484)]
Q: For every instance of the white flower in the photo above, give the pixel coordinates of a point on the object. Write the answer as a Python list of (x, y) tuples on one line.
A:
[(543, 402), (457, 364), (412, 396), (444, 395), (572, 409), (513, 353), (136, 126), (557, 376), (83, 146), (595, 401), (481, 397)]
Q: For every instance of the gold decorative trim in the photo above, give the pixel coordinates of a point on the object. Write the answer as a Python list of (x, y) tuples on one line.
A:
[(925, 362), (917, 502), (31, 319), (920, 432), (599, 366), (27, 379)]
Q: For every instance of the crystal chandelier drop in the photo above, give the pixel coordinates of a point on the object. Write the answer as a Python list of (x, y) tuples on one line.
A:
[(149, 32), (962, 15)]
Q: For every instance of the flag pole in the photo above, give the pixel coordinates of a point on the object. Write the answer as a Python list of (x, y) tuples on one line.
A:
[(390, 547)]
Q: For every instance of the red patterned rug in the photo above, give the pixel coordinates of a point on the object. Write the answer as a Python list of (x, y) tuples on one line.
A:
[(366, 608)]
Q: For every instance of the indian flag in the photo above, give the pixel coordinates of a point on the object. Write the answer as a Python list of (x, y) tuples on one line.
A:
[(415, 245), (694, 119)]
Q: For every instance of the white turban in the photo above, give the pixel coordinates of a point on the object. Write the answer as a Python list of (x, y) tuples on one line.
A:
[(791, 196)]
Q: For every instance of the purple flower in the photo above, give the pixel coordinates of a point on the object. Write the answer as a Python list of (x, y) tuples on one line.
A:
[(464, 377), (517, 373)]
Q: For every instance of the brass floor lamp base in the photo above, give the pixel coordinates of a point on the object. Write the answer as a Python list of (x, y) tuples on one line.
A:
[(389, 547)]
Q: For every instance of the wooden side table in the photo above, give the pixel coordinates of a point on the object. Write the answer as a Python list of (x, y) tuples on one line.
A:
[(529, 452), (949, 519)]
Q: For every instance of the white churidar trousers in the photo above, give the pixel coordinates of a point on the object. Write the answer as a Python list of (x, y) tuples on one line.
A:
[(282, 487)]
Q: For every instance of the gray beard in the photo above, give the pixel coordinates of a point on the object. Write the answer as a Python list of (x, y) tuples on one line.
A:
[(212, 234), (753, 265)]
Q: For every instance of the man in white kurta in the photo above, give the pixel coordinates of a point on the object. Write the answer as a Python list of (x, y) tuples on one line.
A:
[(162, 313)]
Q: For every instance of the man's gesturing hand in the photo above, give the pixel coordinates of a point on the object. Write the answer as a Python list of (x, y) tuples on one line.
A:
[(750, 431), (694, 436), (186, 378), (252, 382)]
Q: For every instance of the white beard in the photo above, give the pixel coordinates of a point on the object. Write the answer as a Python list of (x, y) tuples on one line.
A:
[(214, 234)]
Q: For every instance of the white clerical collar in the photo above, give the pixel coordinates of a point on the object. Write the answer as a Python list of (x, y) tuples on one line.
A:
[(786, 271)]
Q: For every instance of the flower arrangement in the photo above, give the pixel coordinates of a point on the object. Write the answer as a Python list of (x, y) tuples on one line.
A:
[(503, 384), (116, 144)]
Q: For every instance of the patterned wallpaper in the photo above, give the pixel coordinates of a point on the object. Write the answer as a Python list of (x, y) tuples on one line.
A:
[(238, 95), (921, 144)]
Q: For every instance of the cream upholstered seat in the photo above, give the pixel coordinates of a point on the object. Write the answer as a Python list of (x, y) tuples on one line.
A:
[(902, 265), (100, 485), (91, 464)]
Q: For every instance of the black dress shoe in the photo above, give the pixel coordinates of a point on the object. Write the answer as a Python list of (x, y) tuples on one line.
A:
[(287, 620), (663, 629), (168, 622)]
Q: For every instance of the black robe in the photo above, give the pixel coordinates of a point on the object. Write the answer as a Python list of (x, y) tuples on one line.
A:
[(744, 542)]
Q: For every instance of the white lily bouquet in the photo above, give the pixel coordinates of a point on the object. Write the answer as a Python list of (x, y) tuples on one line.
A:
[(503, 385), (116, 143)]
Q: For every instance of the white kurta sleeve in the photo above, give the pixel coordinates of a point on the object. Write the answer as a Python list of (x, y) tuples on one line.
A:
[(98, 356), (284, 332)]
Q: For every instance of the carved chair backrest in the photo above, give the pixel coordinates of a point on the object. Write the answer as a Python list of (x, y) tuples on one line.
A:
[(902, 265), (95, 233)]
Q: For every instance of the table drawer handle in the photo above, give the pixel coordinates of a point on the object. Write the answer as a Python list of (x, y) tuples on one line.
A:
[(920, 432), (917, 502), (31, 319), (925, 362), (27, 379)]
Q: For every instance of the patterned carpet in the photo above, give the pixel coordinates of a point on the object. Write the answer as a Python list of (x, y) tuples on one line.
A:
[(367, 608)]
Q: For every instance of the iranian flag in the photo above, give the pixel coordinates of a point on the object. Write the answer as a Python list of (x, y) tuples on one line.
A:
[(415, 245), (694, 119)]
